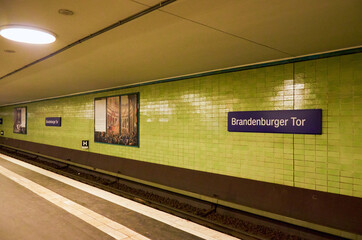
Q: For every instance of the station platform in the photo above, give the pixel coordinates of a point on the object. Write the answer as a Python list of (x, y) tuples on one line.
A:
[(42, 205)]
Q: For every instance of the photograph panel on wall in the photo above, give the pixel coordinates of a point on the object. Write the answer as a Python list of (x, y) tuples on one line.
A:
[(20, 120), (116, 120)]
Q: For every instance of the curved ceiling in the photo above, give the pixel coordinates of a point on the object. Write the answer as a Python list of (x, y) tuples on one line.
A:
[(183, 37)]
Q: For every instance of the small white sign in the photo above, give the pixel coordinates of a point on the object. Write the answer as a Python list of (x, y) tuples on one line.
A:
[(85, 144)]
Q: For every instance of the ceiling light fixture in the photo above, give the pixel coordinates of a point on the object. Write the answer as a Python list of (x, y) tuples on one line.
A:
[(27, 34)]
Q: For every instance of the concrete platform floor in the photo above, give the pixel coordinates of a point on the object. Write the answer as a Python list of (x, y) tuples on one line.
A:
[(38, 204)]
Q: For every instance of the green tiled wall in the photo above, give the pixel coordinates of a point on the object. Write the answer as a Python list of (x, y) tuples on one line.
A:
[(184, 124)]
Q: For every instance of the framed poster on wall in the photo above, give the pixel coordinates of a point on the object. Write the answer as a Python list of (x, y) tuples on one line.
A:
[(20, 115), (116, 120)]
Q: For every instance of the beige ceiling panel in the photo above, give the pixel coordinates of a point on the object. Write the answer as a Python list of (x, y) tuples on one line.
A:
[(182, 38), (155, 46), (89, 17), (297, 27), (14, 55)]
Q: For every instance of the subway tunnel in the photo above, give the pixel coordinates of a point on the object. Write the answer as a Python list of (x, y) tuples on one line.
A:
[(181, 119)]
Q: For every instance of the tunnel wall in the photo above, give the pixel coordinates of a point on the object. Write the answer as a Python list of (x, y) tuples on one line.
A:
[(183, 125)]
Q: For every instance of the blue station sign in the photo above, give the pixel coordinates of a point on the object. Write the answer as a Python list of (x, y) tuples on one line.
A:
[(308, 121), (53, 121)]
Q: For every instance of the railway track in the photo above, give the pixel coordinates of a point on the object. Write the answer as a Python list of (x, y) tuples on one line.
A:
[(240, 224)]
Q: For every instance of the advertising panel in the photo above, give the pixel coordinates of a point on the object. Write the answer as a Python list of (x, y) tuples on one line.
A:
[(20, 120), (116, 120)]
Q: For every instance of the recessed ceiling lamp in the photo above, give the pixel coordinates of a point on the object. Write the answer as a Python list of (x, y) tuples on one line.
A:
[(27, 34), (9, 51), (66, 12)]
